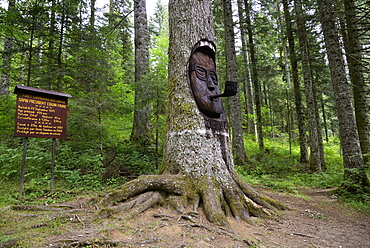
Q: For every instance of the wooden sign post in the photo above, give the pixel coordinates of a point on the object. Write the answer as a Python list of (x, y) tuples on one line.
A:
[(40, 114)]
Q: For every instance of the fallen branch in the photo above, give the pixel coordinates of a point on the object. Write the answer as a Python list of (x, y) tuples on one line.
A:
[(198, 225), (302, 235)]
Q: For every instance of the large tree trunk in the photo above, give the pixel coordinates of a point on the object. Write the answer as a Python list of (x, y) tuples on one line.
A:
[(317, 159), (354, 58), (354, 171), (297, 88), (198, 167), (232, 75), (141, 130)]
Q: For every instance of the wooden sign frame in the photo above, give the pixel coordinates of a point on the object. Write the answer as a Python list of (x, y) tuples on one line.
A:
[(40, 113)]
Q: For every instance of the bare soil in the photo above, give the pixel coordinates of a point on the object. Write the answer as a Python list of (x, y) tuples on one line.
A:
[(315, 220)]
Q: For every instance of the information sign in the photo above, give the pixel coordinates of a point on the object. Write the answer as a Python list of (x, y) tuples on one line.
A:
[(40, 113)]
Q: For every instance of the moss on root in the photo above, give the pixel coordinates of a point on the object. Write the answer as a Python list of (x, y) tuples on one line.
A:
[(178, 193)]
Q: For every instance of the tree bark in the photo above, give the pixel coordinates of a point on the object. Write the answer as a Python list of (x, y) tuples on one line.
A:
[(317, 159), (248, 90), (354, 171), (255, 82), (5, 76), (354, 58), (232, 75), (141, 130), (7, 56), (297, 88), (60, 49), (50, 51), (92, 15), (198, 167)]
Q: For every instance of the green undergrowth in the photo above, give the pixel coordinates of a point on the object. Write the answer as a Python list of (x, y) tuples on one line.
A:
[(278, 168), (77, 172), (36, 193), (86, 172)]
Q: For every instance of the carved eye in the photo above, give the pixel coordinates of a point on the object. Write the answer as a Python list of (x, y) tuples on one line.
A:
[(201, 73), (213, 76)]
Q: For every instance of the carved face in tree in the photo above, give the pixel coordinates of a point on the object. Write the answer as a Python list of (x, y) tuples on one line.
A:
[(203, 79)]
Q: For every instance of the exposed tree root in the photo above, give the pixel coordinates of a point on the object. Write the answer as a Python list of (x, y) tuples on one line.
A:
[(177, 193), (37, 208)]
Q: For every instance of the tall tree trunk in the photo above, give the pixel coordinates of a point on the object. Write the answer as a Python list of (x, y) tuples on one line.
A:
[(297, 88), (354, 58), (7, 56), (256, 84), (354, 171), (324, 118), (30, 46), (232, 75), (92, 15), (141, 130), (198, 166), (248, 90), (60, 49), (317, 159), (50, 52), (5, 76)]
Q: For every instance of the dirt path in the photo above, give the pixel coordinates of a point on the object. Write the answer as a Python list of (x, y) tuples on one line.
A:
[(316, 220)]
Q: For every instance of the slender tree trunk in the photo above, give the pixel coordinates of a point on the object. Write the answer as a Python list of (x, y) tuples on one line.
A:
[(248, 90), (141, 130), (317, 159), (50, 52), (7, 56), (354, 58), (60, 49), (297, 88), (5, 76), (256, 84), (354, 171), (271, 111), (30, 51), (289, 122), (284, 55), (92, 14), (324, 118), (111, 6), (232, 75)]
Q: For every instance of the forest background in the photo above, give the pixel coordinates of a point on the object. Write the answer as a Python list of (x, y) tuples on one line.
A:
[(72, 47)]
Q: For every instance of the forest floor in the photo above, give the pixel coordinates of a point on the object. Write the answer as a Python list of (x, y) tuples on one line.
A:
[(315, 220)]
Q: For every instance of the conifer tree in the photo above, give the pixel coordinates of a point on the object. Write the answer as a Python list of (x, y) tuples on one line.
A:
[(232, 75), (354, 170), (141, 130)]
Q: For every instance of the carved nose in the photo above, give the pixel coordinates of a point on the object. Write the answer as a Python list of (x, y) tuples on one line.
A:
[(211, 86)]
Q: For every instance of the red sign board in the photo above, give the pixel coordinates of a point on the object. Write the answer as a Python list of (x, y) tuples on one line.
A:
[(40, 113)]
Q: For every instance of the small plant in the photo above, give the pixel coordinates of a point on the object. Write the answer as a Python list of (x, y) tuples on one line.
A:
[(314, 214)]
